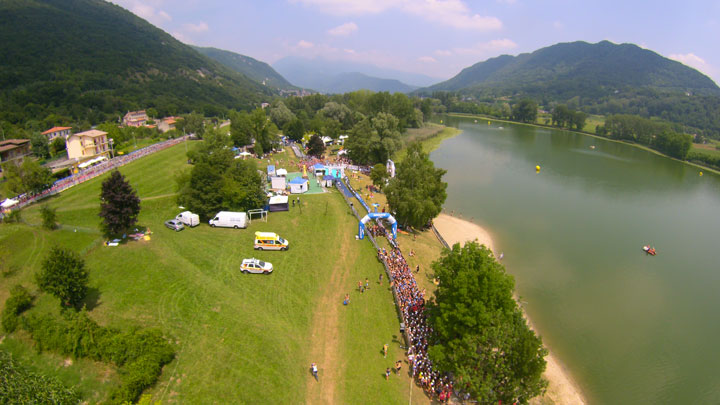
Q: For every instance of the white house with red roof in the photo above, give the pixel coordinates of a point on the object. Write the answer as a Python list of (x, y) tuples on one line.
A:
[(55, 132)]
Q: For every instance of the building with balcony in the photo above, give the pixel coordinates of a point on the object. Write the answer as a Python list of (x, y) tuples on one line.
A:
[(88, 144), (135, 119)]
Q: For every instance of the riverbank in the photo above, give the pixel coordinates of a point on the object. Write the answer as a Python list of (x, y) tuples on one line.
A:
[(636, 145), (561, 388)]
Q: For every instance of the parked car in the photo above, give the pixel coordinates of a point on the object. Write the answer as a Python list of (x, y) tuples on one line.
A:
[(256, 266), (175, 225)]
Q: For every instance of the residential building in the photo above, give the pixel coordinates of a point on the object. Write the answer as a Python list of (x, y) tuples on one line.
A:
[(55, 132), (14, 149), (167, 124), (135, 118), (88, 144)]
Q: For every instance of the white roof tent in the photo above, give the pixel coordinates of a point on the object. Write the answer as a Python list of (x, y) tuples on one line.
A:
[(91, 162)]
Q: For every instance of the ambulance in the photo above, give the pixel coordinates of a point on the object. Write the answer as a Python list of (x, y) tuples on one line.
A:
[(269, 241)]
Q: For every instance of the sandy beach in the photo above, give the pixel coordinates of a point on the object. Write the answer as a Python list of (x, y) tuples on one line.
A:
[(561, 389)]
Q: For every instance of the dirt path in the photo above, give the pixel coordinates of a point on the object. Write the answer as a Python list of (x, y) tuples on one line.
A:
[(325, 335)]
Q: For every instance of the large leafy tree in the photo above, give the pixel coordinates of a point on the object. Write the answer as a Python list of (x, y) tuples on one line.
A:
[(119, 205), (378, 174), (279, 114), (374, 140), (525, 111), (295, 129), (316, 147), (263, 131), (26, 177), (240, 128), (480, 334), (39, 144), (416, 193), (63, 275), (218, 182)]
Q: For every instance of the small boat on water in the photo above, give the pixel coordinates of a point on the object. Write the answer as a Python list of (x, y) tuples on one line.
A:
[(649, 250)]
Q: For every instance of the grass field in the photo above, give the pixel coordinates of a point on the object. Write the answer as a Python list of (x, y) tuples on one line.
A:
[(239, 338)]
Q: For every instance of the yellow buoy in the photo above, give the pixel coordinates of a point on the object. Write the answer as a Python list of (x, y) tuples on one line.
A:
[(700, 173), (537, 168)]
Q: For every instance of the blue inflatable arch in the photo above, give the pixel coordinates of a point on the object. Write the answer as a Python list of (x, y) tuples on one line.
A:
[(377, 215)]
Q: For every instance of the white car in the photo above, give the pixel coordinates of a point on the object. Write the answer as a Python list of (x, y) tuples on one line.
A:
[(256, 266)]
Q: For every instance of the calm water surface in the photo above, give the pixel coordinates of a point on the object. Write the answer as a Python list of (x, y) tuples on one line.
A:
[(629, 327)]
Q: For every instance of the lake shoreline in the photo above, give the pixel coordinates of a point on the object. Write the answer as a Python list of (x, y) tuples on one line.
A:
[(635, 145), (562, 389)]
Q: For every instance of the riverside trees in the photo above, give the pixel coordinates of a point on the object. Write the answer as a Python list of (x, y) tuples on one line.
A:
[(217, 181), (416, 194), (480, 335)]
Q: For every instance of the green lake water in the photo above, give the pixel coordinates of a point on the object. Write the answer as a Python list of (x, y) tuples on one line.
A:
[(630, 328)]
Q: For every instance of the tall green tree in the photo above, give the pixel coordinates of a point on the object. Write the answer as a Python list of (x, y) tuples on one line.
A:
[(416, 193), (279, 114), (316, 147), (119, 205), (374, 140), (240, 129), (525, 111), (26, 177), (49, 217), (480, 335), (39, 145), (62, 274), (193, 123), (379, 174), (263, 131), (295, 130)]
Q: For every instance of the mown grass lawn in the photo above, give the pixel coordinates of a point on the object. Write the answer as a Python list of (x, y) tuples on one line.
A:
[(239, 338)]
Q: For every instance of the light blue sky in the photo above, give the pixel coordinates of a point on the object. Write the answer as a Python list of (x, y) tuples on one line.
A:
[(437, 37)]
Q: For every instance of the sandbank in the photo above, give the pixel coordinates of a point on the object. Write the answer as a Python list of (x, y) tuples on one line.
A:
[(561, 388)]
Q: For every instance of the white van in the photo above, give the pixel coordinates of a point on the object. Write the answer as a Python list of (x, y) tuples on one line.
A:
[(188, 218), (229, 219), (269, 241)]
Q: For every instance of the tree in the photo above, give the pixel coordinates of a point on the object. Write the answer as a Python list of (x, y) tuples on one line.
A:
[(374, 140), (26, 177), (416, 193), (378, 174), (49, 217), (63, 275), (295, 130), (480, 334), (316, 147), (263, 131), (40, 146), (280, 114), (240, 129), (193, 123), (119, 205), (57, 145), (525, 111)]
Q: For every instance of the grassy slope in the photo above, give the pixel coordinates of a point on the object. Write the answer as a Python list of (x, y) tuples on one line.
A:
[(239, 337)]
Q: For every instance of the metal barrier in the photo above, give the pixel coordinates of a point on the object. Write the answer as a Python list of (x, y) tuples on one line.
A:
[(440, 238)]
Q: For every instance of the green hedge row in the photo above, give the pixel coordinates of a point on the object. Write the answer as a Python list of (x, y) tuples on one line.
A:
[(139, 353), (20, 300), (21, 386)]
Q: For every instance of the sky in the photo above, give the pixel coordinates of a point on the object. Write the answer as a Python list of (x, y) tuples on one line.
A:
[(437, 37)]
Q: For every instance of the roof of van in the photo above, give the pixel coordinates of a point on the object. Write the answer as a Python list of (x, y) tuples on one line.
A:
[(265, 234)]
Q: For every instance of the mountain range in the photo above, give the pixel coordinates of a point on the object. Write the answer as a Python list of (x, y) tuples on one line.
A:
[(603, 78), (331, 76), (90, 60), (256, 70)]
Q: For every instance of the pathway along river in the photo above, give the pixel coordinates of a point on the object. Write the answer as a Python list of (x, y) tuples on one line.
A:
[(630, 328)]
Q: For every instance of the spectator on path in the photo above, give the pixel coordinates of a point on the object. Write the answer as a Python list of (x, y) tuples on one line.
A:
[(387, 373), (314, 371), (385, 348)]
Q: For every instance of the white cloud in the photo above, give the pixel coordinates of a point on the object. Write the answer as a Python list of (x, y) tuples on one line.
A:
[(506, 1), (144, 10), (485, 48), (343, 30), (453, 13), (443, 52), (305, 44), (180, 37), (427, 59), (692, 60), (558, 25), (199, 27)]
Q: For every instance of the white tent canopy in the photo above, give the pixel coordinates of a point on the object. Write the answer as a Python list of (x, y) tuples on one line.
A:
[(281, 172), (8, 203), (91, 162)]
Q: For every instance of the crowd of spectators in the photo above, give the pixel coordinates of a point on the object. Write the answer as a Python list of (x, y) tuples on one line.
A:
[(94, 171), (411, 301)]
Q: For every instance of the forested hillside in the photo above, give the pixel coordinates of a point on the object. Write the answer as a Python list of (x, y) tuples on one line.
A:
[(69, 61), (259, 71), (602, 78)]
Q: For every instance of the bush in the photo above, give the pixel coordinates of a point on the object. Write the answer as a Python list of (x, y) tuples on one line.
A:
[(140, 353), (49, 217), (20, 386), (19, 301), (13, 217), (63, 275)]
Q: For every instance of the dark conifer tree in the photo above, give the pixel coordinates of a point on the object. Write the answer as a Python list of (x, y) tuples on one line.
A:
[(119, 205)]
